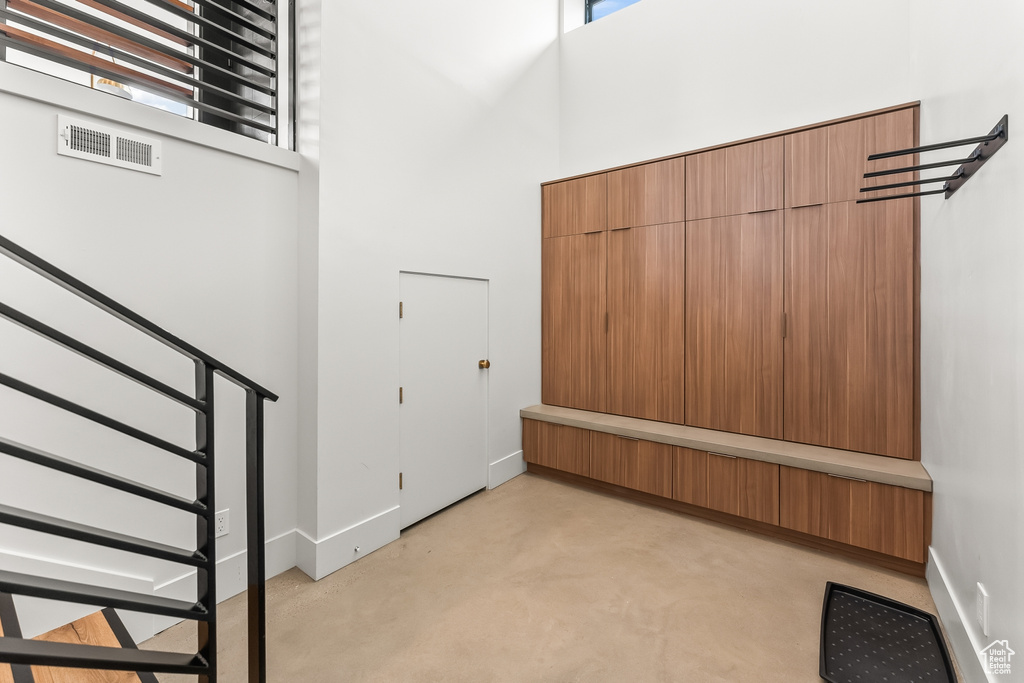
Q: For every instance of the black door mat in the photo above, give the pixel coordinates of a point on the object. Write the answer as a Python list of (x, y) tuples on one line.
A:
[(867, 638)]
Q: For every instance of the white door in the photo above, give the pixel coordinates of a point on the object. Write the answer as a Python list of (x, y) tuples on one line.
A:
[(443, 415)]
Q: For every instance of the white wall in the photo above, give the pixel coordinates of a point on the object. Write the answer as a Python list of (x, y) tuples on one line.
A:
[(208, 251), (438, 121), (972, 337), (662, 76)]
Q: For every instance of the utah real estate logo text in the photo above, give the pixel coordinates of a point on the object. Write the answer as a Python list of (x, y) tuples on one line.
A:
[(996, 657)]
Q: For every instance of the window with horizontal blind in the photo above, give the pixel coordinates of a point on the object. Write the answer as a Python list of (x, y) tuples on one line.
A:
[(217, 61)]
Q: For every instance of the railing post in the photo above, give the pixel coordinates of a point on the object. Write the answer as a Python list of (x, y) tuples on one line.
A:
[(206, 580), (256, 537)]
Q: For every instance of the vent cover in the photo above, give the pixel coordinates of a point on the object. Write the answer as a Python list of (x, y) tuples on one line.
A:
[(86, 140)]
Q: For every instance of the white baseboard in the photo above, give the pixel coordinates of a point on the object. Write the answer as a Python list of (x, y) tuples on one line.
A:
[(954, 620), (509, 467), (326, 556)]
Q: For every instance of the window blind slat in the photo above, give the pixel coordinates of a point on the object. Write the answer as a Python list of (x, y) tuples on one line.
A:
[(61, 54), (106, 37), (184, 41), (113, 71), (183, 34), (130, 58), (252, 24), (153, 45)]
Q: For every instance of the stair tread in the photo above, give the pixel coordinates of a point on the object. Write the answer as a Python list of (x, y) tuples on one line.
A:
[(94, 535), (68, 591), (21, 651)]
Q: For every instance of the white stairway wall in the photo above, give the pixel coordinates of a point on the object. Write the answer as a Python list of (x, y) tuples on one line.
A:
[(972, 321), (437, 123), (207, 251)]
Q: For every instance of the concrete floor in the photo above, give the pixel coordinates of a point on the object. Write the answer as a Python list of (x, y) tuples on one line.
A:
[(541, 581)]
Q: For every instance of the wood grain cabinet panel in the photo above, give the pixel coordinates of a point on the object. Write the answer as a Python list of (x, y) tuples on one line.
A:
[(557, 446), (807, 168), (649, 194), (573, 207), (871, 327), (850, 143), (690, 476), (886, 519), (735, 180), (654, 468), (647, 325), (614, 459), (743, 487), (807, 342), (734, 311), (803, 501), (849, 349), (573, 327)]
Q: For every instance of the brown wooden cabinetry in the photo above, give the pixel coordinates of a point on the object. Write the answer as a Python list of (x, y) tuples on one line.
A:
[(850, 143), (573, 330), (690, 474), (632, 463), (745, 488), (648, 194), (850, 342), (734, 180), (574, 207), (557, 446), (807, 168), (646, 284), (885, 519), (734, 310)]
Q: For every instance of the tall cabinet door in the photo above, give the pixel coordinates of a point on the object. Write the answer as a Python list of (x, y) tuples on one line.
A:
[(850, 343), (573, 327), (734, 308), (647, 326)]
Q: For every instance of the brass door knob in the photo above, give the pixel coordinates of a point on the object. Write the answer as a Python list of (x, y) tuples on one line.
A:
[(484, 364)]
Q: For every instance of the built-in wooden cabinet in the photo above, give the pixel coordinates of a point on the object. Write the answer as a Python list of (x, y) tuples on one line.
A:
[(646, 321), (850, 347), (742, 289), (734, 180), (743, 487), (574, 340), (574, 207), (559, 447), (648, 194), (734, 309), (887, 519), (850, 143)]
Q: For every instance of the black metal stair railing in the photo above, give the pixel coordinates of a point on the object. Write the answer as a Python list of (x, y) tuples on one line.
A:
[(203, 663)]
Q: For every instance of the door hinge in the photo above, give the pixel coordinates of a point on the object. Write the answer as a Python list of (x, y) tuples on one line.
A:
[(785, 325), (400, 395), (400, 309), (399, 481)]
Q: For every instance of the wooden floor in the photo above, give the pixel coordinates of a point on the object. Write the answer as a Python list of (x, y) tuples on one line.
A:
[(5, 670), (91, 630)]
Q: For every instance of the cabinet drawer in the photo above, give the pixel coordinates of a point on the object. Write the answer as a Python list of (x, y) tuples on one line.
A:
[(879, 517), (742, 487), (557, 446)]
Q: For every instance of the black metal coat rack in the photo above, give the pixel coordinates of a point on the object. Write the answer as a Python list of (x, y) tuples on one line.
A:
[(988, 145)]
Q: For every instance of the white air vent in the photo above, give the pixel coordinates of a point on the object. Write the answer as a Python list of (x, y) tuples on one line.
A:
[(86, 140)]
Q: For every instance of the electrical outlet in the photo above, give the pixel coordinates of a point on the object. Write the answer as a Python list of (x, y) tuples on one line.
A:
[(222, 523), (981, 605)]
